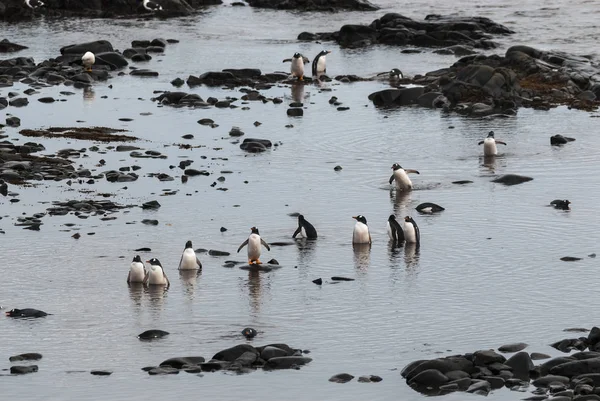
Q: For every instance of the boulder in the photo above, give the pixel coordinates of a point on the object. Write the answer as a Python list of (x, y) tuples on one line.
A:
[(231, 354)]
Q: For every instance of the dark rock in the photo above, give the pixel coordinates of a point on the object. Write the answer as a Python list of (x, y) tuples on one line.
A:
[(269, 352), (318, 281), (151, 205), (254, 145), (235, 132), (21, 370), (341, 378), (193, 172), (339, 278), (521, 365), (178, 363), (164, 370), (481, 387), (512, 179), (538, 356), (287, 362), (19, 102), (111, 59), (560, 140), (444, 365), (153, 334), (214, 252), (231, 354), (315, 5), (295, 112), (101, 372), (98, 46), (47, 99), (144, 73), (546, 380), (514, 347), (578, 367), (429, 378), (396, 97), (7, 46), (31, 356), (150, 222)]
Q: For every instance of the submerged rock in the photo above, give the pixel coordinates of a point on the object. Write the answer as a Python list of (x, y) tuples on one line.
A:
[(512, 179), (153, 334)]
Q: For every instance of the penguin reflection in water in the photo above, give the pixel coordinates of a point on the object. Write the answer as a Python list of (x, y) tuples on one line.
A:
[(297, 68), (489, 145), (254, 243)]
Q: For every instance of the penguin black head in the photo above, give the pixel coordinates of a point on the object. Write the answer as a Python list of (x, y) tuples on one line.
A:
[(391, 218), (249, 332), (360, 218), (408, 219), (188, 245), (300, 218), (297, 55), (137, 259), (491, 134), (396, 166), (324, 53), (13, 312), (154, 262), (254, 230), (396, 73)]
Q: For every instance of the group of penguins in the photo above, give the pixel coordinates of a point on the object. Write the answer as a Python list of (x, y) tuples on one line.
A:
[(148, 5)]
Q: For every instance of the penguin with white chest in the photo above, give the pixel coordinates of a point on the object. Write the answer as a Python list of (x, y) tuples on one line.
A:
[(156, 274), (33, 4), (489, 145), (395, 231), (189, 260), (403, 182), (297, 68), (361, 234), (88, 60), (137, 272), (254, 243), (319, 64), (305, 229), (412, 234)]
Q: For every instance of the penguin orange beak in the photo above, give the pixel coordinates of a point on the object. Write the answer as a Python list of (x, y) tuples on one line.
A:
[(147, 261), (355, 217)]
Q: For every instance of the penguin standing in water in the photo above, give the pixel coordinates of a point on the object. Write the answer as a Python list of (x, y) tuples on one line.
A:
[(411, 231), (319, 66), (403, 183), (561, 204), (88, 59), (297, 68), (395, 231), (361, 234), (137, 272), (305, 229), (489, 145), (254, 243), (189, 260), (156, 274)]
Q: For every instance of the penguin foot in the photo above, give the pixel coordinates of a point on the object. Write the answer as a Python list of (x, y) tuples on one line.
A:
[(301, 78), (89, 70)]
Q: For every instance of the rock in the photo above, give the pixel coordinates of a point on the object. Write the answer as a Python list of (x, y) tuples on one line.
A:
[(558, 139), (153, 334), (396, 97), (521, 364), (235, 132), (31, 356), (295, 112), (318, 281), (578, 367), (47, 99), (287, 362), (178, 363), (269, 352), (341, 378), (546, 366), (512, 179), (111, 59), (98, 46), (151, 205), (315, 5), (101, 372), (164, 370), (546, 380), (231, 354), (481, 387), (13, 121), (144, 73), (7, 46), (254, 145), (245, 360), (429, 378), (514, 347), (193, 172), (486, 357), (538, 356), (444, 365), (21, 370)]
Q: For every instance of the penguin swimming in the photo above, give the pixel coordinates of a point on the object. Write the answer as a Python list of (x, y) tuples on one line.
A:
[(27, 312), (361, 234), (318, 65), (152, 6), (156, 274), (489, 145), (394, 74), (429, 208), (561, 204), (305, 229), (297, 68), (395, 231), (411, 231), (403, 183), (254, 243), (34, 3), (88, 59), (189, 260), (137, 272)]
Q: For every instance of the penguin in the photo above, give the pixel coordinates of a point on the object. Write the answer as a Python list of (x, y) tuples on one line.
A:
[(429, 208), (403, 183), (411, 231), (305, 229), (152, 6), (88, 59), (561, 204), (297, 68), (156, 275), (395, 231), (189, 260), (394, 74), (27, 312), (318, 65), (33, 4), (361, 234), (249, 333), (489, 145), (254, 242), (3, 188), (137, 272)]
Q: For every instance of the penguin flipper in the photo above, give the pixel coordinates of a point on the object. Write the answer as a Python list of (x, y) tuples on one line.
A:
[(146, 277), (262, 241), (166, 279), (297, 232), (198, 263), (500, 142), (243, 245), (287, 60), (392, 178), (480, 143), (305, 60), (180, 260), (129, 277), (417, 234), (409, 171)]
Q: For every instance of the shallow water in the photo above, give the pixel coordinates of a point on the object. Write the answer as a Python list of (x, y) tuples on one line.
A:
[(488, 271)]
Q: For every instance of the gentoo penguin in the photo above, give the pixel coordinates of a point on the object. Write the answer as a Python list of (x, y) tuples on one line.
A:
[(254, 243), (297, 68), (305, 229), (88, 59), (318, 65), (152, 6), (429, 207), (561, 204), (34, 3), (189, 260), (27, 312), (411, 231), (156, 275), (137, 272), (489, 145), (394, 75), (395, 231), (403, 183), (361, 234)]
